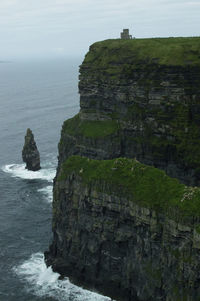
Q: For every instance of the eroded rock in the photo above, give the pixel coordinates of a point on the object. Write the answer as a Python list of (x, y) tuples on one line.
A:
[(30, 153)]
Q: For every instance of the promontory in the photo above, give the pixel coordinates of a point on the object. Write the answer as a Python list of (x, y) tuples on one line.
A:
[(126, 208)]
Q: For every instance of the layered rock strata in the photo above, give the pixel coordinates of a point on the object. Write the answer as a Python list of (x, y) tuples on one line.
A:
[(127, 230), (133, 232), (140, 99), (30, 153)]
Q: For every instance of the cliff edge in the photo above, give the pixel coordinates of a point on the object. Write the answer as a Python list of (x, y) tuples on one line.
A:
[(120, 224)]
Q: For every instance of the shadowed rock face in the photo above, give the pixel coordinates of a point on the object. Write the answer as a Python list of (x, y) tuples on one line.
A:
[(109, 242), (30, 153)]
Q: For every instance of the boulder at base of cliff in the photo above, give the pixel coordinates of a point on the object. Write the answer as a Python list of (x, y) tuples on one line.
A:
[(30, 153)]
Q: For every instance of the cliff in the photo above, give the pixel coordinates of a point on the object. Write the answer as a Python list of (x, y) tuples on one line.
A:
[(126, 229), (120, 226), (140, 98)]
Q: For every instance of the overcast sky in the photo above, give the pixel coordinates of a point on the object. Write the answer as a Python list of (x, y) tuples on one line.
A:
[(56, 28)]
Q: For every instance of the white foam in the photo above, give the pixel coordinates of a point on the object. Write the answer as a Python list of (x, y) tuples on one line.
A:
[(47, 192), (44, 282), (19, 171)]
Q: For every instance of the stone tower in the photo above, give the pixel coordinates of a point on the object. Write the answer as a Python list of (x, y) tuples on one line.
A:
[(125, 35)]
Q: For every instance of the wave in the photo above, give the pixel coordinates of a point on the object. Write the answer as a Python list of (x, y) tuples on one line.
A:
[(47, 192), (44, 282), (19, 171)]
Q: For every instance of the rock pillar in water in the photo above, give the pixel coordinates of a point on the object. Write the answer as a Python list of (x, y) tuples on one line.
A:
[(30, 153)]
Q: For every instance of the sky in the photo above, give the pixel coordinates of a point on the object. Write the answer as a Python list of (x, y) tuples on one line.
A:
[(66, 28)]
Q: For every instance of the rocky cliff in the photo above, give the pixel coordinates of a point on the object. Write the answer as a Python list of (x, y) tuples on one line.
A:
[(126, 229), (122, 227), (140, 99)]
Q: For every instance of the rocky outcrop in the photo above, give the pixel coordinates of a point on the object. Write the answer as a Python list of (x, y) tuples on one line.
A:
[(119, 226), (30, 153)]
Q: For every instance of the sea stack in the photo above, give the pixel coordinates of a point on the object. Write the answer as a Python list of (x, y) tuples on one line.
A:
[(30, 153)]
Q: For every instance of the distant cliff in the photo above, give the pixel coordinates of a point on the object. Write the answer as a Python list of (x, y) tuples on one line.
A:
[(122, 227)]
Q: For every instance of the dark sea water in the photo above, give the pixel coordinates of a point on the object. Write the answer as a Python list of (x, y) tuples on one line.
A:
[(39, 95)]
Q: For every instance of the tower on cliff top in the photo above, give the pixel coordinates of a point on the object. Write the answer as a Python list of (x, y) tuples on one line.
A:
[(125, 35)]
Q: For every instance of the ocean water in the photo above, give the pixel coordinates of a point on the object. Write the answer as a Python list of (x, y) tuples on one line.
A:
[(39, 95)]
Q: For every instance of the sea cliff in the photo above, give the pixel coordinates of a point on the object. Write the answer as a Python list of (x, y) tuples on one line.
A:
[(120, 225)]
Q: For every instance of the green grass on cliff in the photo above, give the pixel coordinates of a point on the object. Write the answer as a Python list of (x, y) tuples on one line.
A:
[(89, 128), (148, 186), (164, 51)]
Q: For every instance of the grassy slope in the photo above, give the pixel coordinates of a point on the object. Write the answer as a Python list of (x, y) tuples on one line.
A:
[(145, 185), (92, 129), (165, 51)]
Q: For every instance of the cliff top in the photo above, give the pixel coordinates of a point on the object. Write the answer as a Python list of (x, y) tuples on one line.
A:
[(164, 51)]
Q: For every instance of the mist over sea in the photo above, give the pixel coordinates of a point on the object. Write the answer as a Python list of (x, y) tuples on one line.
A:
[(39, 95)]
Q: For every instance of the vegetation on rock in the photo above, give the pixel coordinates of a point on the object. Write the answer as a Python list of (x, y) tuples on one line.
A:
[(165, 51), (146, 185), (90, 128)]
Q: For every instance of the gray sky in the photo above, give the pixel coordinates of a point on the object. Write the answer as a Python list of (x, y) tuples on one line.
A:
[(57, 28)]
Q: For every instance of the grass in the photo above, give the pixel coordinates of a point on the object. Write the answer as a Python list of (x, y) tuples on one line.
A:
[(186, 134), (89, 128), (164, 51), (148, 186)]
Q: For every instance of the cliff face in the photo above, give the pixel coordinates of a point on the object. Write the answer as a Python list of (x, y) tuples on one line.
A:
[(119, 226), (127, 230), (140, 99)]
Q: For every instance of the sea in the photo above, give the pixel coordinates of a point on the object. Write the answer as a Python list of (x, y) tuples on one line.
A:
[(40, 95)]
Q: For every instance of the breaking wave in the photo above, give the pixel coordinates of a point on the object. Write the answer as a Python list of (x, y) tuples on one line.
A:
[(47, 192), (19, 171), (42, 281)]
